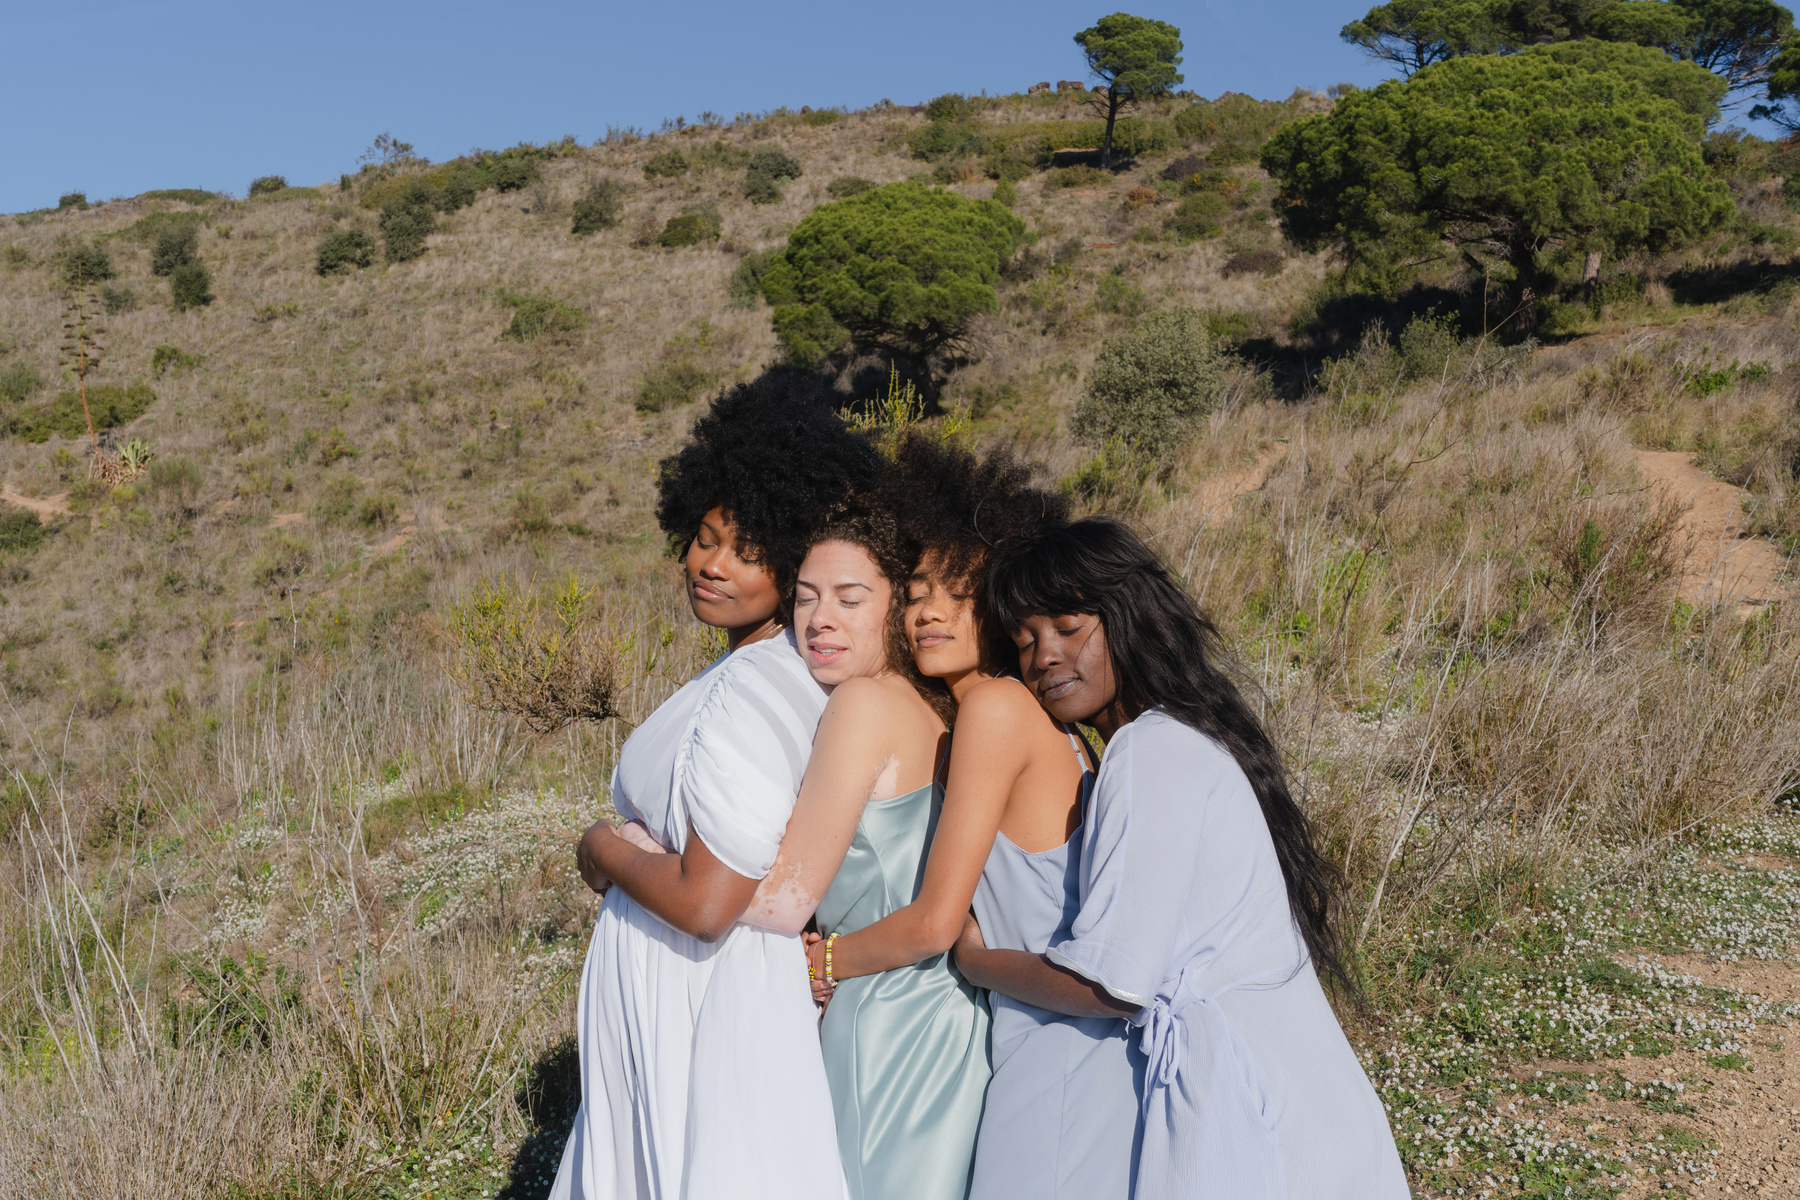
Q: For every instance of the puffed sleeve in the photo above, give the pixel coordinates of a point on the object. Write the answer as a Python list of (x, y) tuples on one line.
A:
[(1140, 860), (739, 769)]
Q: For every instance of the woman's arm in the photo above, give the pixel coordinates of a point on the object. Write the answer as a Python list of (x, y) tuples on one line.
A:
[(850, 765), (1033, 979), (692, 891), (987, 756)]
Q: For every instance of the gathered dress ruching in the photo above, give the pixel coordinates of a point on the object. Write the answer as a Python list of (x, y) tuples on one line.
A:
[(1061, 1119), (700, 1066), (906, 1050), (1250, 1090)]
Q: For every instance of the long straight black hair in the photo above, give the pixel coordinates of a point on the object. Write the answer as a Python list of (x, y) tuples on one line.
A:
[(1166, 654)]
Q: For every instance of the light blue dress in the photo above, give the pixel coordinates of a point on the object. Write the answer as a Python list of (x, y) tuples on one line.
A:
[(1062, 1110), (1251, 1091), (906, 1051)]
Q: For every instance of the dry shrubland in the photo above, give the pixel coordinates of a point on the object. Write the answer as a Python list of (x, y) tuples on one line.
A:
[(289, 911)]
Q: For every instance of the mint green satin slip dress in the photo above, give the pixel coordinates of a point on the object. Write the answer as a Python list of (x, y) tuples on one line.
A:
[(906, 1051)]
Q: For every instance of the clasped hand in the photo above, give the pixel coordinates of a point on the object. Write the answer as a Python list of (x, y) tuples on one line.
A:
[(587, 854)]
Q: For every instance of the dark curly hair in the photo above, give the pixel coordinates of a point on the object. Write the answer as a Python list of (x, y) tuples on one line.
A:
[(1167, 654), (778, 460), (959, 509)]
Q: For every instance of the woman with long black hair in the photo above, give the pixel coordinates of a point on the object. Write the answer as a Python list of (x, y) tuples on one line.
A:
[(1206, 909)]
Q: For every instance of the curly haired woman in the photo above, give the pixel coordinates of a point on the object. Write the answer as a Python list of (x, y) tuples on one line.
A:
[(892, 861), (700, 1065)]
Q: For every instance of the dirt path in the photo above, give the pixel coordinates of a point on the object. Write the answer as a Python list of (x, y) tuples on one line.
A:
[(1213, 498), (1720, 563), (49, 506)]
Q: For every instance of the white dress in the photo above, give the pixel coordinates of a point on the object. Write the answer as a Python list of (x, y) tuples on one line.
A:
[(1250, 1089), (701, 1075)]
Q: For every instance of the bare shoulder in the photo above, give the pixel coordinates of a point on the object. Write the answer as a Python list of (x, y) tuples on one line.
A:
[(1001, 703), (863, 698)]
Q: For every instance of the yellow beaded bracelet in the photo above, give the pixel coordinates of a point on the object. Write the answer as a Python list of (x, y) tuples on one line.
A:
[(829, 981)]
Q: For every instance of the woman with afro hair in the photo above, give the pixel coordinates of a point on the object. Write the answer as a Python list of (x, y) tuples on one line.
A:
[(1006, 839), (700, 1063)]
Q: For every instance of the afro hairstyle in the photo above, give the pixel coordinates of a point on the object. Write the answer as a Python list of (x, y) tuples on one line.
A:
[(958, 509), (777, 459)]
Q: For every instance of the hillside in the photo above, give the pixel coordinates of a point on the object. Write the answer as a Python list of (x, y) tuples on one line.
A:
[(284, 915)]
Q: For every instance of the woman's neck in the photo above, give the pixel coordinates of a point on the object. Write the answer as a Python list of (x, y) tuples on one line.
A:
[(743, 635)]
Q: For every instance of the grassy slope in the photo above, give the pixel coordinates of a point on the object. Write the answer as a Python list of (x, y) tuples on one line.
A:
[(344, 921)]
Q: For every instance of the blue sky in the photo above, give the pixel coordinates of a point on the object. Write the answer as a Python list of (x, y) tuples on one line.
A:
[(118, 96)]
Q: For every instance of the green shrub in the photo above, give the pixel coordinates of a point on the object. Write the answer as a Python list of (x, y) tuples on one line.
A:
[(19, 383), (599, 207), (177, 482), (666, 165), (20, 530), (670, 386), (769, 169), (264, 184), (1149, 388), (513, 173), (940, 140), (823, 116), (1115, 294), (1427, 344), (692, 225), (118, 299), (176, 244), (75, 200), (407, 219), (846, 186), (184, 195), (539, 316), (1198, 217), (1265, 260), (282, 559), (722, 155), (1239, 124), (378, 511), (82, 263), (1115, 477), (1010, 163), (190, 286), (171, 358), (746, 285), (337, 500), (346, 249), (335, 446), (1006, 192), (903, 266), (111, 407), (152, 226), (951, 106)]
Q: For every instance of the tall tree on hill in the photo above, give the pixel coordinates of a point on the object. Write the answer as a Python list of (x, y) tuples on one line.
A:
[(1587, 146), (1136, 57), (1735, 39), (902, 269)]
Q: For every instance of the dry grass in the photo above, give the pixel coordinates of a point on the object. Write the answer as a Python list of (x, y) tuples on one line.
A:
[(286, 914)]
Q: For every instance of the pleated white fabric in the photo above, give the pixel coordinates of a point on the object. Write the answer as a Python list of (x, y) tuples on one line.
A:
[(1251, 1091), (701, 1073)]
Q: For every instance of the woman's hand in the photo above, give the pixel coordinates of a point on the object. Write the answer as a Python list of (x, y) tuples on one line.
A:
[(587, 856), (815, 963), (638, 834)]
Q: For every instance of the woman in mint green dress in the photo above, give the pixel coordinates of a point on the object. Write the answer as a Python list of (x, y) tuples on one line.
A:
[(906, 1052), (898, 1039)]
